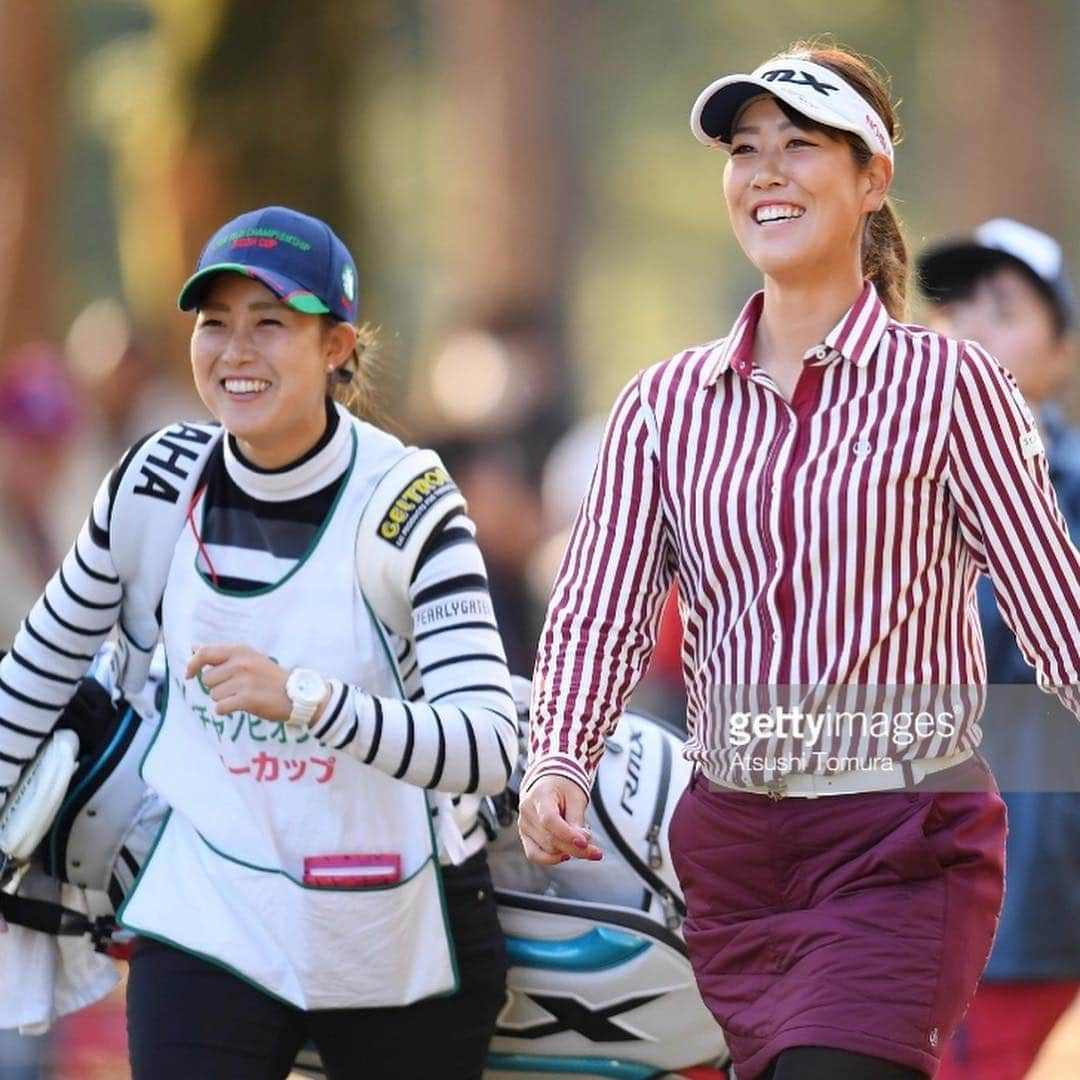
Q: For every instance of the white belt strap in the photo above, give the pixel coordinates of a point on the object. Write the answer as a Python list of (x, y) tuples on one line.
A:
[(811, 786)]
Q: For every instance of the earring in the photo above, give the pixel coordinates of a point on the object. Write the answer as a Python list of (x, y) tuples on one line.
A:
[(329, 367)]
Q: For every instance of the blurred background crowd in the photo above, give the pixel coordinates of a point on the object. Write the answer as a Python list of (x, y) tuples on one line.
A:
[(531, 216)]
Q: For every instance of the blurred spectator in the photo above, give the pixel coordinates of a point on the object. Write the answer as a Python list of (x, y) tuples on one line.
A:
[(493, 477), (1007, 288), (129, 386), (564, 481), (500, 379), (39, 419), (663, 690), (129, 380), (23, 1057), (107, 389)]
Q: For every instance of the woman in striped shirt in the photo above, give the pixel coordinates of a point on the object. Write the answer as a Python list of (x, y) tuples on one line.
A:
[(825, 484), (314, 731)]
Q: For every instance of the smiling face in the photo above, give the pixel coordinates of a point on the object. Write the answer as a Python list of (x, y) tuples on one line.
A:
[(797, 197), (261, 368)]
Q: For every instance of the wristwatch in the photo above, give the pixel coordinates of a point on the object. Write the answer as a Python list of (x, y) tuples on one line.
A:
[(306, 690)]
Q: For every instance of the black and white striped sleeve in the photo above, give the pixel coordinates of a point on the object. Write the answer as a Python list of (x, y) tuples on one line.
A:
[(57, 640), (462, 737)]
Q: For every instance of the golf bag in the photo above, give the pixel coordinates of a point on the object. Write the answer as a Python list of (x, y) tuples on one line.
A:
[(600, 984), (96, 830)]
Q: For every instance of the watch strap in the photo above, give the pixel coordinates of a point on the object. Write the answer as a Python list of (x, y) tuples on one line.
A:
[(301, 713)]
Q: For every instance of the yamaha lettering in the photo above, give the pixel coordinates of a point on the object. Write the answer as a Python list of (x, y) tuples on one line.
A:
[(170, 455), (414, 500), (633, 770), (798, 78)]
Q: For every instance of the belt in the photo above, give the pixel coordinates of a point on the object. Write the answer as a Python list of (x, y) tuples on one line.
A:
[(907, 774)]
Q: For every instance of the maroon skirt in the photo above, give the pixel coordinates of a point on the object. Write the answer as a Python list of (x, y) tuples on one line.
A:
[(860, 922)]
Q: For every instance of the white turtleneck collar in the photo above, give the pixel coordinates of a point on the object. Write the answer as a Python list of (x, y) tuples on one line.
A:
[(294, 481)]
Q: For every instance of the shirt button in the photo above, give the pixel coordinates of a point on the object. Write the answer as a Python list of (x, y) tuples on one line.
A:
[(821, 352)]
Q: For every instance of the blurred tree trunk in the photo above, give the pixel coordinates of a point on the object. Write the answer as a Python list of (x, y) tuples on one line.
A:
[(270, 106), (247, 104), (505, 111), (507, 98), (995, 120), (997, 125), (29, 139)]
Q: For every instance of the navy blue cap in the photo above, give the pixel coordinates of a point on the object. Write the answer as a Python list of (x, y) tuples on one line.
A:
[(297, 257)]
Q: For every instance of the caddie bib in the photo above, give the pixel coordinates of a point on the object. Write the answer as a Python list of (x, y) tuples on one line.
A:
[(301, 869)]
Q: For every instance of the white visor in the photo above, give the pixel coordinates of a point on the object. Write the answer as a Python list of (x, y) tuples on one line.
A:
[(810, 89)]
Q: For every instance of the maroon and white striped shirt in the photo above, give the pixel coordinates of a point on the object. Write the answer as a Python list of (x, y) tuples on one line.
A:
[(833, 540)]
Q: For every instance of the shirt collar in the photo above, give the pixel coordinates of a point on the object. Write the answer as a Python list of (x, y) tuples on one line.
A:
[(734, 350), (856, 336), (321, 466)]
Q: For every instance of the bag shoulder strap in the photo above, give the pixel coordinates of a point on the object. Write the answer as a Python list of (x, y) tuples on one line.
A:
[(148, 514)]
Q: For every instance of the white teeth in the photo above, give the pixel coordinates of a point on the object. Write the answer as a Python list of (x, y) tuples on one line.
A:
[(245, 386), (777, 212)]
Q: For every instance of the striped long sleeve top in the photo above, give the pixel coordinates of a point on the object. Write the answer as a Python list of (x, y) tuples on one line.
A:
[(833, 539), (456, 730)]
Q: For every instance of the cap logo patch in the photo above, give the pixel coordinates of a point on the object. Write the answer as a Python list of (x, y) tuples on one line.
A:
[(798, 78), (253, 235), (348, 283)]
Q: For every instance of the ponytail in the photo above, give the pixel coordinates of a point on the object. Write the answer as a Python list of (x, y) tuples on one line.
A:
[(886, 260), (356, 384)]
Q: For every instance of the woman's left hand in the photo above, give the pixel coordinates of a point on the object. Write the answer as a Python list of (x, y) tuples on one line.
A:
[(238, 677)]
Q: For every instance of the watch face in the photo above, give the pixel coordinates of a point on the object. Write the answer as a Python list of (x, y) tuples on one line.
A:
[(306, 685)]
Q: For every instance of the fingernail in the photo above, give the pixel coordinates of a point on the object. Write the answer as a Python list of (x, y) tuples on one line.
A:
[(565, 858), (597, 857), (579, 843)]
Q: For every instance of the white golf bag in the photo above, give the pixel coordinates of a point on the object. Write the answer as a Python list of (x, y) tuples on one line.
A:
[(80, 813), (600, 984)]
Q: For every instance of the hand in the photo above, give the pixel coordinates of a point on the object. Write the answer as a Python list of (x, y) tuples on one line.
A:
[(239, 677), (551, 820)]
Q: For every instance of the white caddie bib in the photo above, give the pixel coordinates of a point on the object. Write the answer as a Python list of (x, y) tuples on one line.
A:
[(261, 864)]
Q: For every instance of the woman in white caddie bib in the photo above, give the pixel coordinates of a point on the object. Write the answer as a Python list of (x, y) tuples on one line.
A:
[(337, 705)]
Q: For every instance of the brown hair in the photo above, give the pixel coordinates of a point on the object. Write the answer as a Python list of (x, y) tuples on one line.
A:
[(885, 257), (355, 384)]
